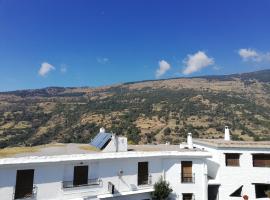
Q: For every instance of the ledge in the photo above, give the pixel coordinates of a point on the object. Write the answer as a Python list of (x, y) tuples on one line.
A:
[(139, 191)]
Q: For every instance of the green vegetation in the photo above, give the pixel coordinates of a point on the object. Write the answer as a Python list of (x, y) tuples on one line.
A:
[(162, 190), (145, 112)]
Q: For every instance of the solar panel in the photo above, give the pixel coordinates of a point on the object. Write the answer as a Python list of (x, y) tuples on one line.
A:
[(100, 140)]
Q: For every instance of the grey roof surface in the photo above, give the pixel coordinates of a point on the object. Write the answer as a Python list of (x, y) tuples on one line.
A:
[(55, 149), (221, 143), (72, 148), (160, 147)]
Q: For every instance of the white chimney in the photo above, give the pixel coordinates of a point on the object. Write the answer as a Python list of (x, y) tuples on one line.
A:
[(189, 141), (227, 136), (117, 144), (102, 130)]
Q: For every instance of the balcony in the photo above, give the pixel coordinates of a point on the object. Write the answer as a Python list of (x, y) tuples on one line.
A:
[(188, 178), (25, 193), (90, 182)]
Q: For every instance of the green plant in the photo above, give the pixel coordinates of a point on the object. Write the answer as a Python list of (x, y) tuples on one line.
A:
[(162, 190)]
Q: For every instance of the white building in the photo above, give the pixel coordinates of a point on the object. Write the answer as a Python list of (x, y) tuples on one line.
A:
[(117, 172), (199, 170), (236, 168)]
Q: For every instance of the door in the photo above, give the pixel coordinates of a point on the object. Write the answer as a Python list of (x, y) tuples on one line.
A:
[(24, 183), (213, 192), (80, 176), (142, 173)]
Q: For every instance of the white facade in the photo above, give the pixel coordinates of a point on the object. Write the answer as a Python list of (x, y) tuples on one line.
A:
[(119, 168), (229, 178)]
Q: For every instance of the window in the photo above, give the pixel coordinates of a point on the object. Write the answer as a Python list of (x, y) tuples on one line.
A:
[(24, 184), (237, 193), (142, 173), (187, 196), (232, 159), (80, 176), (186, 172), (261, 160), (260, 190)]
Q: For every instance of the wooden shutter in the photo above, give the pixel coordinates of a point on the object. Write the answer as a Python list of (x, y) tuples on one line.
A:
[(80, 175), (187, 196), (24, 183), (142, 173), (261, 160), (187, 167), (232, 159)]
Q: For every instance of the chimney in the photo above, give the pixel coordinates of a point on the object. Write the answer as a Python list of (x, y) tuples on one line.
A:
[(102, 130), (227, 136), (189, 141)]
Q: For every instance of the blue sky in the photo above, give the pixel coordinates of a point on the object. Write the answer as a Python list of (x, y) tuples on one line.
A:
[(100, 42)]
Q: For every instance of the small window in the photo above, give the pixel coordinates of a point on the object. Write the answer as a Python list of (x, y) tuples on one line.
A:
[(187, 196), (24, 184), (261, 189), (232, 159), (261, 160), (142, 173), (80, 176)]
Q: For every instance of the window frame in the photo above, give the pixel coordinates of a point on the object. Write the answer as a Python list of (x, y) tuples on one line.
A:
[(232, 154), (192, 196), (264, 161), (184, 176)]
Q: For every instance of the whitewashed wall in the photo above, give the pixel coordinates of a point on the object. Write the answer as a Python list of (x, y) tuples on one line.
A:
[(231, 178), (48, 178)]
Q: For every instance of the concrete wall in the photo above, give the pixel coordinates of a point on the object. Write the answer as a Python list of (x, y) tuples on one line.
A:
[(48, 178)]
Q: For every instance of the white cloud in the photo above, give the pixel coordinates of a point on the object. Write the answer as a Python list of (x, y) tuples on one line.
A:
[(45, 68), (163, 68), (253, 55), (196, 62), (102, 60), (247, 54)]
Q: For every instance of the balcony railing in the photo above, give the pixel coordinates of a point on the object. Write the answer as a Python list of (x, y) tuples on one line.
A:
[(188, 178), (25, 193), (90, 182)]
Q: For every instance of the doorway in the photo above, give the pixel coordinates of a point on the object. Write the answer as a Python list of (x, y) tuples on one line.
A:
[(24, 183), (213, 192)]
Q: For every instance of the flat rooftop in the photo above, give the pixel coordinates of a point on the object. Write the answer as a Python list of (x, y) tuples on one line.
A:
[(59, 149), (221, 143)]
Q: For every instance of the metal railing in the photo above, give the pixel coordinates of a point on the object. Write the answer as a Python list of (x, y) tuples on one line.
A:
[(23, 193), (90, 182), (188, 178)]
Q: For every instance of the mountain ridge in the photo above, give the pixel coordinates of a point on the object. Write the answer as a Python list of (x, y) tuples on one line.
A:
[(150, 111)]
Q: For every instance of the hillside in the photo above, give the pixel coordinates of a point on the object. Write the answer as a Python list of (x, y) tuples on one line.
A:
[(146, 112)]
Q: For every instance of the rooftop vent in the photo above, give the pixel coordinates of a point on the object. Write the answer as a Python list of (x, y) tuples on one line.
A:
[(189, 141), (102, 130), (227, 136)]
